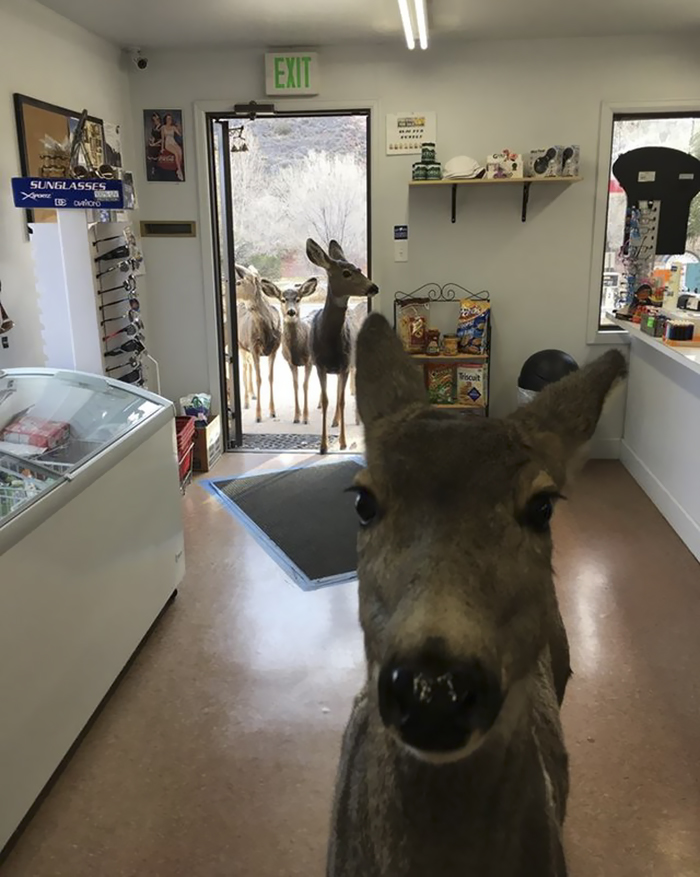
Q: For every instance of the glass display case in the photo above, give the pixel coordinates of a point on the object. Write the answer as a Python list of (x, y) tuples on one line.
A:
[(52, 422)]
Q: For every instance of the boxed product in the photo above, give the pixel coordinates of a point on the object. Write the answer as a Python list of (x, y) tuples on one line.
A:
[(504, 165), (546, 162), (440, 380), (196, 405), (472, 327), (471, 385), (570, 161), (208, 445), (36, 431), (413, 324)]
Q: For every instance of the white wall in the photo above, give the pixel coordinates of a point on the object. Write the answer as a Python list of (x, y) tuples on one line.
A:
[(518, 94), (46, 57)]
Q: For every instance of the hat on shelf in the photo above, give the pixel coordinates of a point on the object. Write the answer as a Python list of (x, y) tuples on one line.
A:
[(461, 167)]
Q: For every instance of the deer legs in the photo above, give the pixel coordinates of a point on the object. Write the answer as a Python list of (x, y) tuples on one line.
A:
[(342, 381), (258, 382), (322, 379), (307, 375), (272, 374), (295, 381)]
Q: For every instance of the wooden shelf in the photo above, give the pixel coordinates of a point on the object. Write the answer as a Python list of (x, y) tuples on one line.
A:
[(525, 182), (484, 182), (458, 406), (461, 357)]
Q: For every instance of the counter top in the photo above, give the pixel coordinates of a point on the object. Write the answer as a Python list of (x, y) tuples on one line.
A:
[(687, 356)]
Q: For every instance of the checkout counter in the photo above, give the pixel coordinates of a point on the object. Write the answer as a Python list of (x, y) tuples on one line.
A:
[(661, 440)]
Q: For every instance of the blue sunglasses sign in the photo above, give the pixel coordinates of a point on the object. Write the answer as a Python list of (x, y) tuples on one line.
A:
[(62, 194)]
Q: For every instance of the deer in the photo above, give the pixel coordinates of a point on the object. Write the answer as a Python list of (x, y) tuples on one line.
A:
[(453, 762), (330, 332), (296, 348), (259, 333)]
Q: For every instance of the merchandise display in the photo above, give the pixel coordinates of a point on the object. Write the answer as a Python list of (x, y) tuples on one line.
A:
[(440, 381), (462, 167), (505, 165), (571, 161), (413, 324), (472, 327), (546, 162)]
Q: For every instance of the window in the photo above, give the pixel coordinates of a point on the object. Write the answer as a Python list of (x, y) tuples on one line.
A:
[(633, 131)]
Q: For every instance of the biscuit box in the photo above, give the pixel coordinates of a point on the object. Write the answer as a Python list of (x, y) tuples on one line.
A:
[(472, 385)]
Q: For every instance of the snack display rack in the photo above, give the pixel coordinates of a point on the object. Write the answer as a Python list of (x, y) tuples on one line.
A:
[(444, 303)]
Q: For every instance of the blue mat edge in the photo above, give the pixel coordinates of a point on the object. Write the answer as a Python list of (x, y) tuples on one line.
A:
[(271, 548)]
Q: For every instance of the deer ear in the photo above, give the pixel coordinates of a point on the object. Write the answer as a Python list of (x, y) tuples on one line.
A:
[(387, 380), (308, 287), (241, 272), (568, 411), (270, 289), (317, 254), (335, 251)]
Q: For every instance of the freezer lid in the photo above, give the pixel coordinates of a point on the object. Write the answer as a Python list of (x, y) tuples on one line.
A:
[(58, 420)]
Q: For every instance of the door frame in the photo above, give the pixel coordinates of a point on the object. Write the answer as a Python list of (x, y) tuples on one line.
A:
[(202, 111)]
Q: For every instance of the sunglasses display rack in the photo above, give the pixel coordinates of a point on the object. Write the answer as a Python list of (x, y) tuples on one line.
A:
[(118, 270)]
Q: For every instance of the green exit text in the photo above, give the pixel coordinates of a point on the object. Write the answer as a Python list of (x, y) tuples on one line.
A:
[(292, 72)]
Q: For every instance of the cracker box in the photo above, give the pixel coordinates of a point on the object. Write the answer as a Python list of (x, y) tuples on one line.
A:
[(472, 327), (36, 431), (472, 385)]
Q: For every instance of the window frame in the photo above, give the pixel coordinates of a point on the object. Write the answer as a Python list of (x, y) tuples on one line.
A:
[(608, 110)]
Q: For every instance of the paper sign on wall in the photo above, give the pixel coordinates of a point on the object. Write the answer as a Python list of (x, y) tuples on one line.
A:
[(289, 73), (406, 131)]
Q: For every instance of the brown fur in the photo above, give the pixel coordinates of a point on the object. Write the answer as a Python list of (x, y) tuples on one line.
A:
[(451, 557)]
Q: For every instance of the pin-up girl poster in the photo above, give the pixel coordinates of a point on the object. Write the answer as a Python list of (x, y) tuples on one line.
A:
[(165, 156)]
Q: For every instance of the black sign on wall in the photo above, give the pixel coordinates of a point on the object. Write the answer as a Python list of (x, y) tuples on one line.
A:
[(657, 173)]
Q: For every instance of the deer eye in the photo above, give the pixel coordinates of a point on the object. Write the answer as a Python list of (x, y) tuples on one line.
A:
[(538, 512), (347, 273), (366, 506)]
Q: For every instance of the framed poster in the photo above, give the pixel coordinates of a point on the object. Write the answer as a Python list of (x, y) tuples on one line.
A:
[(406, 131), (164, 146), (44, 134)]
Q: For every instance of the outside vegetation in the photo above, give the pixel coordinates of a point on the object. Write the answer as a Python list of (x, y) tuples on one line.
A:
[(301, 177)]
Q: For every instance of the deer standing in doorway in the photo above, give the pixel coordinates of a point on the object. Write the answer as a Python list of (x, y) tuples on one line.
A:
[(453, 762), (259, 333), (330, 332), (296, 334)]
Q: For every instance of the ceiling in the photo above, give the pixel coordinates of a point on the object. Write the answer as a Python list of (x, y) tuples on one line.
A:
[(167, 24)]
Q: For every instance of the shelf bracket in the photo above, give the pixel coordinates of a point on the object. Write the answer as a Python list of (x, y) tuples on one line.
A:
[(526, 198), (454, 203)]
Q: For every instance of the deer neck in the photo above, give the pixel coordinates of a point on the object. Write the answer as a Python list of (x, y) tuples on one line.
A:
[(263, 307), (333, 313)]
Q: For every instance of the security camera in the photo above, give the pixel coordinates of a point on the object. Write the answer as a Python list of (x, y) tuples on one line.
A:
[(139, 59)]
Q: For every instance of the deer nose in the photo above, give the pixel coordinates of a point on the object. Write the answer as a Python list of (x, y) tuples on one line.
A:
[(437, 708), (291, 312), (373, 290)]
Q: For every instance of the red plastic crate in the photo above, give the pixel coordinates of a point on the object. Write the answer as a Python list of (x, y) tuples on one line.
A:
[(184, 430)]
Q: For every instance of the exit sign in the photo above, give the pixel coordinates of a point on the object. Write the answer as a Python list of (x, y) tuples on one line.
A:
[(291, 73)]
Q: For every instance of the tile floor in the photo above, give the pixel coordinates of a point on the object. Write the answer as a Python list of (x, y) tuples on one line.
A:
[(216, 755)]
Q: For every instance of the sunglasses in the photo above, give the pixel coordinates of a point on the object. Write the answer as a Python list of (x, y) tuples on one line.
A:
[(134, 328), (127, 234), (132, 315), (133, 345), (128, 265), (132, 362), (122, 252), (104, 172), (133, 377), (134, 303), (129, 285)]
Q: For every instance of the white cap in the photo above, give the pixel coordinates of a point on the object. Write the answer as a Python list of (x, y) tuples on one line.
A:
[(461, 167)]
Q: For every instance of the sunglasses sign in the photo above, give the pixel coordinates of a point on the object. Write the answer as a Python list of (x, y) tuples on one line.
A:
[(289, 73), (64, 194)]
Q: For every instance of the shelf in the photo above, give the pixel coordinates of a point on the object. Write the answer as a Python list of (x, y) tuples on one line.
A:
[(457, 406), (687, 356), (525, 182), (461, 357)]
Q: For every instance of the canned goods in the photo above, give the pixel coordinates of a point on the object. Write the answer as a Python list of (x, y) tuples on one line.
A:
[(427, 151), (434, 171), (420, 171), (450, 345)]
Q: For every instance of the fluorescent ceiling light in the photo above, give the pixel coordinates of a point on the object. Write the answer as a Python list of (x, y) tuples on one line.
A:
[(422, 20), (407, 25)]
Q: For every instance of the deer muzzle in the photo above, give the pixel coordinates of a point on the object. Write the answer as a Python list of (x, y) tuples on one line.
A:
[(437, 707)]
